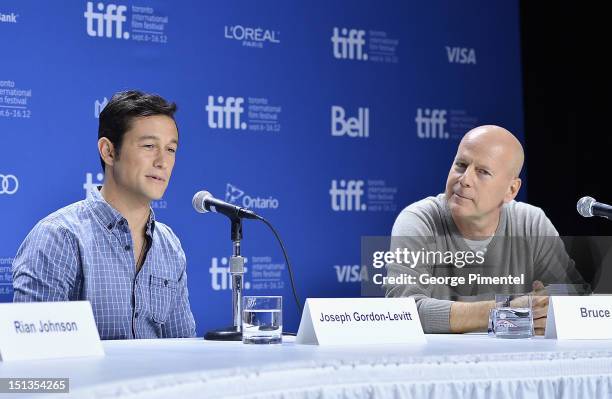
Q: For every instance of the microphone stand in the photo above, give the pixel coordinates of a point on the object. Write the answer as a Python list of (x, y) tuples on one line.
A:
[(233, 333)]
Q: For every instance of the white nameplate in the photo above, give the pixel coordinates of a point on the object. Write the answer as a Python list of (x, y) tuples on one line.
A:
[(579, 317), (46, 330), (350, 321)]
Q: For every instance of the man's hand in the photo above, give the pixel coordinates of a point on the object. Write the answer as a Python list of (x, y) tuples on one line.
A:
[(539, 306), (473, 316)]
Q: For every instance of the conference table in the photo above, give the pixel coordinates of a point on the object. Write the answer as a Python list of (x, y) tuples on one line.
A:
[(467, 366)]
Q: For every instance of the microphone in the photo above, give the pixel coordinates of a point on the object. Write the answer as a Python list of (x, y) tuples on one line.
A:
[(203, 202), (588, 207)]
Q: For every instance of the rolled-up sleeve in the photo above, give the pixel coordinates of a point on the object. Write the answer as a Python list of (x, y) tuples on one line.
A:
[(181, 323), (46, 265)]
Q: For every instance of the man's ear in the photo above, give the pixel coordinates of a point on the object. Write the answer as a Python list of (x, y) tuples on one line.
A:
[(107, 151), (513, 189)]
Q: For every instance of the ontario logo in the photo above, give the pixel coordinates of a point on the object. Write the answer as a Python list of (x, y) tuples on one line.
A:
[(236, 196)]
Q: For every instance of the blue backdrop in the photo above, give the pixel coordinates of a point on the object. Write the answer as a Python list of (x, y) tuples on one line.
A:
[(327, 118)]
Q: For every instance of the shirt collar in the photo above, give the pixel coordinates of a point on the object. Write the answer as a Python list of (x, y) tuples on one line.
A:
[(109, 216)]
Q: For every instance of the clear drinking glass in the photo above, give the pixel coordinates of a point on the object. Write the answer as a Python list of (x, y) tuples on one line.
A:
[(512, 316), (262, 319)]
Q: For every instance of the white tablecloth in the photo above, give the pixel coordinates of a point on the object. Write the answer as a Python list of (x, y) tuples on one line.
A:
[(468, 366)]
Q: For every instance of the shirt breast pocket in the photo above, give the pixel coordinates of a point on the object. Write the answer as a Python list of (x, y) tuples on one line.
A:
[(163, 293)]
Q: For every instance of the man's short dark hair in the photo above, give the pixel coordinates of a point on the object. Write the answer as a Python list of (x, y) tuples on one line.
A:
[(116, 118)]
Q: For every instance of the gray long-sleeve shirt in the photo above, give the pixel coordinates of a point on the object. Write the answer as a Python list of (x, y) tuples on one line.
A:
[(525, 243)]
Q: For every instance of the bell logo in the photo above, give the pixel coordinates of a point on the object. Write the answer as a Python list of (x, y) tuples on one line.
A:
[(346, 195), (220, 277), (431, 123), (349, 44), (353, 127), (100, 24), (226, 113)]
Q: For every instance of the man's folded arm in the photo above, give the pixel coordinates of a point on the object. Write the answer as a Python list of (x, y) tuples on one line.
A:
[(437, 315)]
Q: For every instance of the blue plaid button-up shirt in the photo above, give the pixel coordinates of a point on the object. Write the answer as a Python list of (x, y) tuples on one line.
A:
[(84, 252)]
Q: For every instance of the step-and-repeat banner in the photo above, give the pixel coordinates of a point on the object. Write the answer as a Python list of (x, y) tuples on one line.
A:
[(327, 118)]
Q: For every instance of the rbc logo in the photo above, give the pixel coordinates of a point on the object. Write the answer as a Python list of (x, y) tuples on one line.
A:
[(353, 127), (89, 185), (346, 195), (220, 277), (226, 114), (100, 24), (431, 123), (99, 106), (349, 44)]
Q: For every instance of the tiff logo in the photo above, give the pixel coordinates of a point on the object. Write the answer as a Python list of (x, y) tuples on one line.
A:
[(220, 277), (226, 113), (349, 44), (89, 184), (461, 55), (346, 195), (358, 126), (99, 106), (431, 123), (100, 24)]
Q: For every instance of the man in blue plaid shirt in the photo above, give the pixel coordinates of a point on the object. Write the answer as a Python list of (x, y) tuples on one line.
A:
[(109, 249)]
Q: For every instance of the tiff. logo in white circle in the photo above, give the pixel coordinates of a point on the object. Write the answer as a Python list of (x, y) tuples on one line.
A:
[(100, 24), (9, 184)]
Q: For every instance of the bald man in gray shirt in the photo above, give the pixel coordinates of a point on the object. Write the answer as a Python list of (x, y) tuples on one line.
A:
[(477, 213)]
